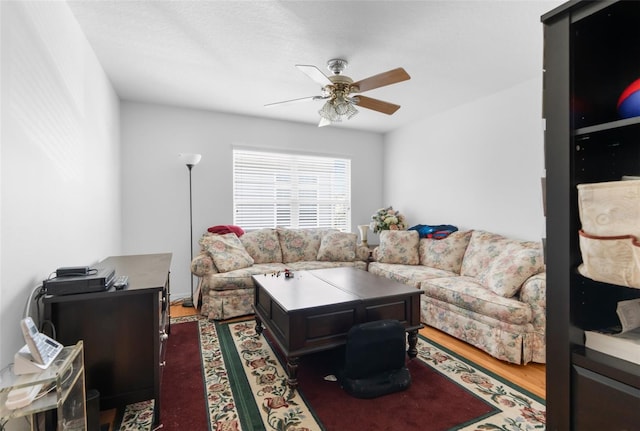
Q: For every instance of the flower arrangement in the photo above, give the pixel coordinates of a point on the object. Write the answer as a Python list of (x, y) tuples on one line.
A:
[(388, 219)]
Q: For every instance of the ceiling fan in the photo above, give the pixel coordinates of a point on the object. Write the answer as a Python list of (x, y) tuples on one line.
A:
[(341, 94)]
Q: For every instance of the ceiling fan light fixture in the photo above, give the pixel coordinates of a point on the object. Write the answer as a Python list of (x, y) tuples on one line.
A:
[(324, 122), (329, 113), (341, 107), (337, 109), (351, 111)]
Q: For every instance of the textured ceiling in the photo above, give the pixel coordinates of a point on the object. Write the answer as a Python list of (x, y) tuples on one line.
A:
[(237, 56)]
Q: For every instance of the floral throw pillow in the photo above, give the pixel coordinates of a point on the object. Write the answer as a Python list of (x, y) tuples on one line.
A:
[(510, 269), (262, 245), (486, 246), (398, 246), (300, 245), (227, 252), (446, 253), (338, 247)]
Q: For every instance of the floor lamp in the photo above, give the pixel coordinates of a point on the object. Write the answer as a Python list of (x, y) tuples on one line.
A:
[(190, 160)]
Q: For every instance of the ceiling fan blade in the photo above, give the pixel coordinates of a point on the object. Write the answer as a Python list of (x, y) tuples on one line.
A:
[(376, 105), (315, 74), (302, 99), (381, 79)]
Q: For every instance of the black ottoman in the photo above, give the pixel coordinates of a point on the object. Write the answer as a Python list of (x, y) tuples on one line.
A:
[(375, 360)]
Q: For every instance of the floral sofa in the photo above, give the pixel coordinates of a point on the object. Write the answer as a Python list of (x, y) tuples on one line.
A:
[(226, 263), (480, 287)]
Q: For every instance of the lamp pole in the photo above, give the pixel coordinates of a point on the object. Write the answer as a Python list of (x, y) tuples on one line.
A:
[(191, 160)]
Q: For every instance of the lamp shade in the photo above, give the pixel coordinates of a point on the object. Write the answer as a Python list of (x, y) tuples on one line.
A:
[(190, 159)]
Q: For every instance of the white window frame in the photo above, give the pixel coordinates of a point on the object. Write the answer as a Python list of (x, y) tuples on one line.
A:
[(278, 189)]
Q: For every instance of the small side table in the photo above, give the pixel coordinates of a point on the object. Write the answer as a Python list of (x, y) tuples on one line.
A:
[(65, 377)]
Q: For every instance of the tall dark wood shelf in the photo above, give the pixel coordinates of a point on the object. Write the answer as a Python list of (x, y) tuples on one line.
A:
[(607, 126), (590, 57)]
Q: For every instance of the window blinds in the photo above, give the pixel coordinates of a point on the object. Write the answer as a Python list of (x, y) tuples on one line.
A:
[(291, 190)]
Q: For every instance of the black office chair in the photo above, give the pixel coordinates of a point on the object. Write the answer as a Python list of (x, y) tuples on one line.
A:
[(375, 360)]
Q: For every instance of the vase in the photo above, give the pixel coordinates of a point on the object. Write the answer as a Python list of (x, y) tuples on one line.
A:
[(363, 228)]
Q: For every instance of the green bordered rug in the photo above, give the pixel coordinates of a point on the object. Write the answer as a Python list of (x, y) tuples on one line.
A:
[(246, 387), (137, 417), (260, 399)]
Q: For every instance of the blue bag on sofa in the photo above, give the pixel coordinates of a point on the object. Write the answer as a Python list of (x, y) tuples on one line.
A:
[(438, 231)]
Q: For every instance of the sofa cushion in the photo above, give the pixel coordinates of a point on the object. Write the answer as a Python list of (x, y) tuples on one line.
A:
[(486, 246), (512, 267), (240, 278), (446, 253), (227, 252), (300, 244), (317, 264), (262, 245), (467, 293), (398, 246), (412, 275), (338, 247)]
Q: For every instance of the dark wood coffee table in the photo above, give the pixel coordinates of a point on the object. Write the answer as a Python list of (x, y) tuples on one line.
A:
[(314, 310)]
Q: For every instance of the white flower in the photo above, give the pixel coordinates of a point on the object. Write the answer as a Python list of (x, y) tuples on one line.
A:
[(391, 220), (387, 219)]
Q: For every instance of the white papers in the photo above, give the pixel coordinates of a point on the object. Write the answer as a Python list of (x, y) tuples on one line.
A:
[(629, 314), (625, 343), (624, 346)]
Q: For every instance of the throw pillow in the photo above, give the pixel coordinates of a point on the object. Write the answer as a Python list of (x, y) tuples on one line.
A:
[(399, 246), (262, 245), (510, 269), (486, 246), (300, 245), (446, 253), (338, 247), (227, 252)]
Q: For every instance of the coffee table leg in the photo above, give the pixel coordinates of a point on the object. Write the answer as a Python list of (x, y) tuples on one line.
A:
[(412, 339), (258, 325), (292, 371)]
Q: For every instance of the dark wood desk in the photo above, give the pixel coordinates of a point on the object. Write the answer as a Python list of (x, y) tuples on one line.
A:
[(124, 331), (314, 310)]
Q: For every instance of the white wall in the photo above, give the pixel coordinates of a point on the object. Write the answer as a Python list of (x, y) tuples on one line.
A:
[(477, 166), (68, 197), (155, 183), (60, 178)]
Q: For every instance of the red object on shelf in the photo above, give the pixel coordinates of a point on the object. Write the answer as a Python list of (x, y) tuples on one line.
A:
[(629, 101)]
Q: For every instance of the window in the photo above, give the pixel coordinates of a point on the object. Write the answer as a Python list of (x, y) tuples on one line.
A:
[(290, 190)]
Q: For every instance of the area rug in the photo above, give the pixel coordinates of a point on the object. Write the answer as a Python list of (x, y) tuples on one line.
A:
[(134, 417), (245, 386), (183, 397), (225, 377)]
